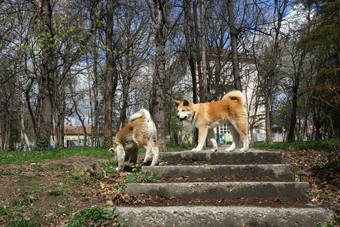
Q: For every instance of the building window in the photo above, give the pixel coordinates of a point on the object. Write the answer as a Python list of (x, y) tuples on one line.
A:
[(224, 129)]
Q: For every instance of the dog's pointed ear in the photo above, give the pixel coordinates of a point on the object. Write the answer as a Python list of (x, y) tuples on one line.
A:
[(186, 102), (177, 102)]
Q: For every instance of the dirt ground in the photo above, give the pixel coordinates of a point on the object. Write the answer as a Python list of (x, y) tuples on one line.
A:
[(52, 193)]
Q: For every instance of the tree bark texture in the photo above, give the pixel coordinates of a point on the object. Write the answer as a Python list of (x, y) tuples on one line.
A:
[(111, 77), (46, 81), (204, 60), (161, 15), (234, 49)]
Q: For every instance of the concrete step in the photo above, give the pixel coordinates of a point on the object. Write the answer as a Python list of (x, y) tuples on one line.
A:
[(284, 191), (187, 216), (252, 156), (253, 171)]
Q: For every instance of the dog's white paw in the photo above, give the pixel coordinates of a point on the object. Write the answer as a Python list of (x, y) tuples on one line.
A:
[(195, 150), (243, 149), (229, 150), (213, 149)]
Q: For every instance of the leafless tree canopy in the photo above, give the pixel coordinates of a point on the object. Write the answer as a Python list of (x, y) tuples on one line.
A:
[(93, 63)]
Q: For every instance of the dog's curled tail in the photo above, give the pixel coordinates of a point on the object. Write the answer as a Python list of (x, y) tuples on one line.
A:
[(235, 95), (141, 113)]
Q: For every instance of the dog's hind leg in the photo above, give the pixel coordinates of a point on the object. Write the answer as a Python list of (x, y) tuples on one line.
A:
[(211, 137), (242, 129), (134, 154), (148, 154), (235, 135), (155, 153)]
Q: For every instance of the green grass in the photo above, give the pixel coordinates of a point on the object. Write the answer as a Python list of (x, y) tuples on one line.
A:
[(328, 145), (56, 154), (181, 147), (137, 177), (14, 219), (56, 192), (7, 173), (109, 167), (92, 215)]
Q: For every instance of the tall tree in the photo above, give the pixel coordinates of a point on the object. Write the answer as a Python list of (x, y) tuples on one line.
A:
[(189, 46), (189, 41), (323, 42), (162, 12), (204, 57), (44, 127), (234, 46), (197, 37), (111, 76), (270, 67)]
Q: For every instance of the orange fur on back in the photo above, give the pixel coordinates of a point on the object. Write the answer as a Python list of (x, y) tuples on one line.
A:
[(206, 116), (139, 132)]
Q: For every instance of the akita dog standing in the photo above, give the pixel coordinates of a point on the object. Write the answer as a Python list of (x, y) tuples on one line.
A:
[(139, 132), (207, 116)]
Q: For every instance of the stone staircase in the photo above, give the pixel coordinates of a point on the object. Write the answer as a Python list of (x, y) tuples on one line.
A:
[(255, 188)]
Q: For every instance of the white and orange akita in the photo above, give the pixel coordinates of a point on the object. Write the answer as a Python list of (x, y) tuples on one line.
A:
[(139, 132), (207, 116)]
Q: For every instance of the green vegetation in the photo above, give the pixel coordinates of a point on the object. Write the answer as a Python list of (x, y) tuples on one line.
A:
[(76, 177), (43, 156), (109, 167), (55, 192), (332, 223), (137, 177), (328, 145), (96, 215), (22, 202), (6, 173), (39, 168), (14, 219), (136, 168), (181, 147)]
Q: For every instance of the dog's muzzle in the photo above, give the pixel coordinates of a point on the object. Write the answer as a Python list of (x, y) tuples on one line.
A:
[(182, 119)]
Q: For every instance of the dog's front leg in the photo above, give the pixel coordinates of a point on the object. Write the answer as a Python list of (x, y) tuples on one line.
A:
[(202, 135), (120, 158)]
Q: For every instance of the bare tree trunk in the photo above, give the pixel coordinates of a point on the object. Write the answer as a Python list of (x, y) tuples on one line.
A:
[(234, 50), (96, 99), (24, 138), (291, 134), (1, 140), (161, 18), (8, 130), (295, 89), (111, 77), (46, 81), (188, 42), (91, 117), (198, 54), (189, 33), (268, 121), (59, 115), (126, 80), (204, 60), (279, 9)]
